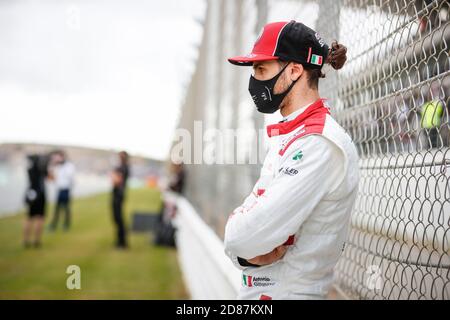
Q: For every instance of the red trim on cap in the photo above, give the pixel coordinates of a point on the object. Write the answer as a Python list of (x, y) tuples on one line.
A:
[(265, 46), (249, 59), (309, 54), (278, 38)]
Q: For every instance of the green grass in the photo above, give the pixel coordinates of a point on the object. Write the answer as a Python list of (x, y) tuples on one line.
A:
[(142, 272)]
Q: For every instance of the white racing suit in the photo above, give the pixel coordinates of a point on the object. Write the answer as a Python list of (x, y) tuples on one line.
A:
[(303, 198)]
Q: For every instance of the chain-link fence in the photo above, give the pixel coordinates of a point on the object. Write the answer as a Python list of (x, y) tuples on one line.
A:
[(394, 101), (392, 96)]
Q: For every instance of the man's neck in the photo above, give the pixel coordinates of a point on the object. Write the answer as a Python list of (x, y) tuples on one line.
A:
[(298, 102)]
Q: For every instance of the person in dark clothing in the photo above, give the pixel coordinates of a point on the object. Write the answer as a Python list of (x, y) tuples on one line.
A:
[(165, 231), (177, 178), (119, 181), (35, 198)]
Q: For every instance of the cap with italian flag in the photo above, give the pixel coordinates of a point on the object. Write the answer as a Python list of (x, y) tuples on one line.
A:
[(287, 41)]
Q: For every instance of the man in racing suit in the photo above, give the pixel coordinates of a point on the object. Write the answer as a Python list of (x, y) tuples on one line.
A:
[(288, 234)]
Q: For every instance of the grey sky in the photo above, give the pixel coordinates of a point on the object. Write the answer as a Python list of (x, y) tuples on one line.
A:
[(100, 73)]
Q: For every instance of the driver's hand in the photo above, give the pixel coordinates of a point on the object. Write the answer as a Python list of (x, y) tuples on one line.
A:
[(271, 257)]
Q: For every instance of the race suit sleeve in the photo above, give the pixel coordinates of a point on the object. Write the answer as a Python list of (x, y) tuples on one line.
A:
[(237, 261), (288, 200)]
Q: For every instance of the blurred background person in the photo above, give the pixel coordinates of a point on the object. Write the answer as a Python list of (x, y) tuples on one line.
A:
[(119, 179), (177, 178), (165, 230), (35, 198), (62, 173)]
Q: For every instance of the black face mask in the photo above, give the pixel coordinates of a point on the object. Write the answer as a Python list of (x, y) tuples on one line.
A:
[(262, 93)]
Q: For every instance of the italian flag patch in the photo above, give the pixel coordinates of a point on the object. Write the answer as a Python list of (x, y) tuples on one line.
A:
[(247, 281), (315, 59)]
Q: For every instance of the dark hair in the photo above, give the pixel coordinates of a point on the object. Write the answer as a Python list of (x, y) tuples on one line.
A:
[(337, 55)]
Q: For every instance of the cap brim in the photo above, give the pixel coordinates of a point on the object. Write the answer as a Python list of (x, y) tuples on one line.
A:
[(248, 60)]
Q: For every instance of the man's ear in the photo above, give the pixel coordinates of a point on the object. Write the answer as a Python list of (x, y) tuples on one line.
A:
[(296, 71)]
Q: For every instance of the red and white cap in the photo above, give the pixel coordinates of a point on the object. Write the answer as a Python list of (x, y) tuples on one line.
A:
[(289, 41), (264, 47)]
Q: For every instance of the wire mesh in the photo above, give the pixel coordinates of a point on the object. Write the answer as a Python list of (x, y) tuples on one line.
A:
[(393, 99)]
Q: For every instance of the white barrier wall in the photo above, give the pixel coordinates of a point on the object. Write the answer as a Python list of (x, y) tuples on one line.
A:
[(207, 271)]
